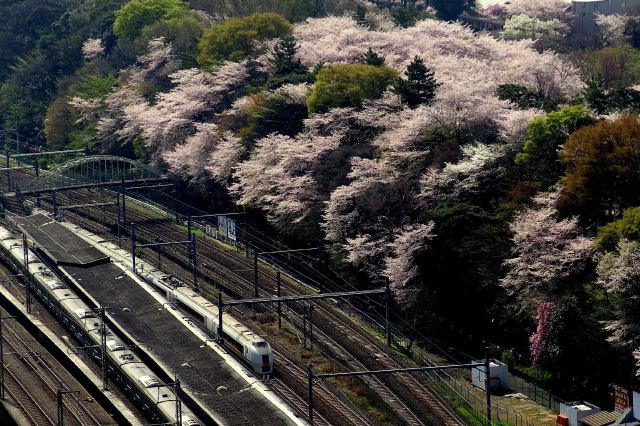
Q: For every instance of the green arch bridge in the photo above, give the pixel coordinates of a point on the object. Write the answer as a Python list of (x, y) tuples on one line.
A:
[(90, 171)]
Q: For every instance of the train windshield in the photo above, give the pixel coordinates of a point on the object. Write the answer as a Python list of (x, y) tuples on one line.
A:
[(260, 344)]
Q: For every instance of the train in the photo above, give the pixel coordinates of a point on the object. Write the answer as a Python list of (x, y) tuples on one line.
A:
[(246, 345), (154, 397)]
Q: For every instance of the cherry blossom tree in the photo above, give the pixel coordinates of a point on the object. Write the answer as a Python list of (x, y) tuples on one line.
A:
[(401, 268), (92, 48), (547, 251), (619, 272), (451, 50), (547, 34), (612, 28), (542, 9), (477, 170), (279, 177), (364, 200), (538, 340)]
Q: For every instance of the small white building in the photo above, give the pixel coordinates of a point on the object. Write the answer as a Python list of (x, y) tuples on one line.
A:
[(498, 375), (575, 411)]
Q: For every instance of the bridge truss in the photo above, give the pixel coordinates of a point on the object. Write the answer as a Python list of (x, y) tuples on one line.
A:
[(91, 171)]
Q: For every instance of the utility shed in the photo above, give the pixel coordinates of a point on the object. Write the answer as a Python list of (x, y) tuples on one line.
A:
[(498, 376), (576, 411)]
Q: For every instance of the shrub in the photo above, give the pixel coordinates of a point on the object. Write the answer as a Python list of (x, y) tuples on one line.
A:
[(348, 85), (235, 38), (137, 14)]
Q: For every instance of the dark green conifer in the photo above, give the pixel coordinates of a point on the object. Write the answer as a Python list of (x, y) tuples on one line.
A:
[(372, 58), (419, 87), (284, 57)]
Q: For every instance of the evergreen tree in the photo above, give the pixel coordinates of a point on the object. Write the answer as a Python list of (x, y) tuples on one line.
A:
[(284, 57), (420, 85), (594, 95), (360, 16), (372, 58)]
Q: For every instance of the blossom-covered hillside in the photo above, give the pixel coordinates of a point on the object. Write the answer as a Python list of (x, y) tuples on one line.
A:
[(491, 177)]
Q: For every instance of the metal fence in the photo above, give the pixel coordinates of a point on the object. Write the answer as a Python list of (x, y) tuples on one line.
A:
[(536, 393), (451, 387)]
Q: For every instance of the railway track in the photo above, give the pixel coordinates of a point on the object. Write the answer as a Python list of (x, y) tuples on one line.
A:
[(25, 401), (49, 380), (406, 395), (326, 395)]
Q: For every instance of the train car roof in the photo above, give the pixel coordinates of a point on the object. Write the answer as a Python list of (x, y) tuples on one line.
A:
[(229, 322)]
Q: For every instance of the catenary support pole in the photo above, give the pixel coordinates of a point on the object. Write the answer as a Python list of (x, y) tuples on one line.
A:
[(279, 293), (487, 383), (311, 326), (133, 247), (304, 327), (194, 261), (124, 206), (176, 391), (310, 392), (54, 203), (103, 349), (387, 324), (119, 222), (255, 272), (220, 311), (27, 276), (188, 225)]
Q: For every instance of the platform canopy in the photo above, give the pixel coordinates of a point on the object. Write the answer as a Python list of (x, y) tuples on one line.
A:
[(90, 171)]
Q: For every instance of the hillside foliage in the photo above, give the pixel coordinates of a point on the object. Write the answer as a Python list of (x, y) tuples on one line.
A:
[(491, 179)]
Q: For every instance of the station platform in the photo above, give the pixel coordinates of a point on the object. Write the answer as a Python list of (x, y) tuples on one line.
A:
[(61, 246), (215, 386)]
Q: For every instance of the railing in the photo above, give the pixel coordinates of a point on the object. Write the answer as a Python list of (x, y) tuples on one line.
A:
[(535, 393)]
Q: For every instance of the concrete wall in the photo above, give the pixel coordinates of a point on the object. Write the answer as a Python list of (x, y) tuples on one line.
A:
[(585, 11)]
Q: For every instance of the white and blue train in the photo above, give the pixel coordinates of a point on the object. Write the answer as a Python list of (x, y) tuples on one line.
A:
[(153, 396), (248, 346)]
